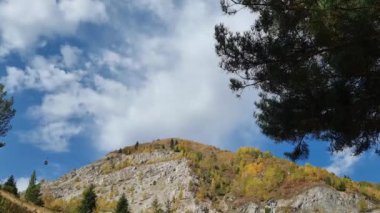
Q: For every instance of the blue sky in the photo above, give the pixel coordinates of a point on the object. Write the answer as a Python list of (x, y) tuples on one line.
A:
[(90, 76)]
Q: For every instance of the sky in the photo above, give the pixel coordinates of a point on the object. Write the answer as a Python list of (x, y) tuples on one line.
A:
[(91, 76)]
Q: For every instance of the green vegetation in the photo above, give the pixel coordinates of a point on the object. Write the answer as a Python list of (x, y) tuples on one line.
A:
[(122, 205), (363, 205), (75, 205), (137, 145), (172, 144), (88, 204), (250, 173), (7, 112), (316, 66), (10, 186), (341, 186), (9, 203), (33, 193), (107, 167), (61, 205), (105, 205), (6, 206)]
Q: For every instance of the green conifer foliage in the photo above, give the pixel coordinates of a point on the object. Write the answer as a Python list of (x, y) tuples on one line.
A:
[(33, 192), (122, 205), (88, 204), (316, 67), (10, 186)]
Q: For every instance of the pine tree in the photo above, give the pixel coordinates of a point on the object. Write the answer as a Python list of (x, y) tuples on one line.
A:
[(88, 204), (7, 112), (316, 67), (137, 145), (33, 192), (171, 143), (122, 205), (10, 186)]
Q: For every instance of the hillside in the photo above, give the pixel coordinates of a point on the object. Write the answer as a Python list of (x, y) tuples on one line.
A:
[(193, 177), (11, 204)]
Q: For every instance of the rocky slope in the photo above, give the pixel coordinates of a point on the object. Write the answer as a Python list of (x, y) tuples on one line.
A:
[(190, 177), (148, 176)]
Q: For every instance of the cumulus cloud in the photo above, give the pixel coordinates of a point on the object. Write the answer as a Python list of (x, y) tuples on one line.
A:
[(70, 55), (343, 162), (24, 23), (180, 91), (41, 74), (22, 183)]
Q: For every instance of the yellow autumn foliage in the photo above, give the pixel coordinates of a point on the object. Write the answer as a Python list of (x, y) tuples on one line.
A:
[(250, 173)]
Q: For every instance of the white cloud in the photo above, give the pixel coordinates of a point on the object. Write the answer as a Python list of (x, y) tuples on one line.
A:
[(182, 92), (76, 11), (343, 162), (23, 23), (70, 55), (22, 183), (54, 136), (117, 62), (42, 74), (165, 10)]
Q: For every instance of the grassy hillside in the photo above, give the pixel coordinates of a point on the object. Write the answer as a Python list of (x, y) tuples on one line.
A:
[(11, 204), (250, 174)]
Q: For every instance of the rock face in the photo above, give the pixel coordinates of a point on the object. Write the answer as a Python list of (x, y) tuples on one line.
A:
[(165, 175), (316, 199), (147, 176), (323, 199)]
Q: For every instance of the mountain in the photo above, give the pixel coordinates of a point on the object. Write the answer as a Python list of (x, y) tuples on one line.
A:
[(187, 176)]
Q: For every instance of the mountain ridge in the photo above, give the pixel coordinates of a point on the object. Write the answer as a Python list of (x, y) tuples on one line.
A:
[(195, 177)]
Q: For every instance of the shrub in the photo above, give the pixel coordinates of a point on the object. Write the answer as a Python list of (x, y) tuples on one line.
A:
[(363, 205), (328, 180), (341, 186)]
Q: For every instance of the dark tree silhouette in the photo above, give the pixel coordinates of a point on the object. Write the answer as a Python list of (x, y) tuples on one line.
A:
[(122, 205), (137, 145), (316, 66), (7, 112), (88, 204), (10, 186), (172, 143)]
